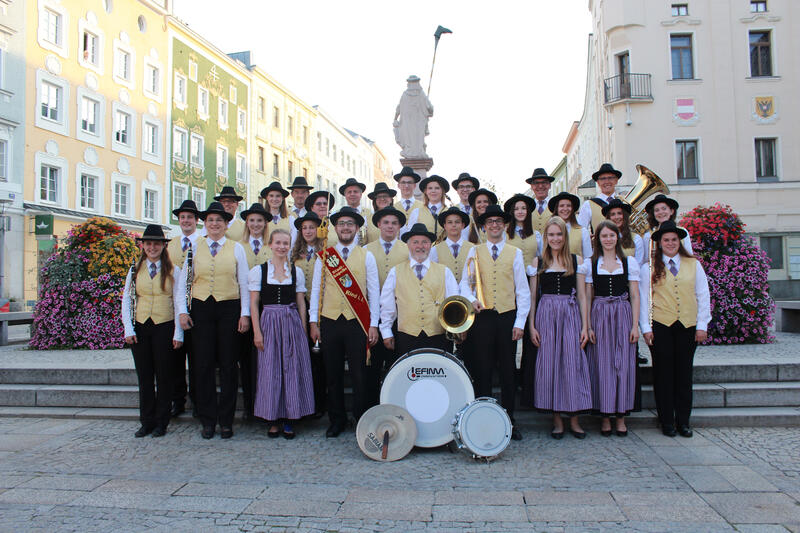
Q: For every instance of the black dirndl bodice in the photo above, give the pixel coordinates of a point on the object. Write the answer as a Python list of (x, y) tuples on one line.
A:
[(610, 284), (277, 294), (557, 282)]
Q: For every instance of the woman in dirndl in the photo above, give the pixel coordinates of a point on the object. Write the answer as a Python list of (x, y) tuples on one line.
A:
[(559, 328), (284, 387), (612, 282)]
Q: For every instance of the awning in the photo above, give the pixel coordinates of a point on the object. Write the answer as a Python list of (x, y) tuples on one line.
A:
[(79, 216)]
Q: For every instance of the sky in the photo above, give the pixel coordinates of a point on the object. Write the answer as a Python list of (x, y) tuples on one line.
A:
[(508, 82)]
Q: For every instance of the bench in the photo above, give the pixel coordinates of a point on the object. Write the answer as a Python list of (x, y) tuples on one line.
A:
[(14, 318), (787, 315)]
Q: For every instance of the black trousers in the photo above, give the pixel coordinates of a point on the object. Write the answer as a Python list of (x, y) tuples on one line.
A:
[(405, 342), (152, 356), (179, 359), (318, 377), (381, 359), (527, 371), (247, 369), (215, 342), (673, 359), (345, 340), (490, 346)]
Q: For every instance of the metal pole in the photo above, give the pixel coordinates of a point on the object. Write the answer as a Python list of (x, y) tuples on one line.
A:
[(3, 324), (430, 79)]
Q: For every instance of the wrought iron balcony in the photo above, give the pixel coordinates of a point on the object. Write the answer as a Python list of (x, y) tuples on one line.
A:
[(628, 88)]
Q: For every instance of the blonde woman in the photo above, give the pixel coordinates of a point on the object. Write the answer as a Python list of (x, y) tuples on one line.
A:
[(275, 197)]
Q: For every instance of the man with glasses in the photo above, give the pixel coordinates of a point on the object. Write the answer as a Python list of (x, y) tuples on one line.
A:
[(464, 185), (591, 212), (502, 314), (540, 185), (336, 322), (407, 181)]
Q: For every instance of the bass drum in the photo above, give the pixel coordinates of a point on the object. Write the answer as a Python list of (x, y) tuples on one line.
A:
[(432, 385), (483, 428)]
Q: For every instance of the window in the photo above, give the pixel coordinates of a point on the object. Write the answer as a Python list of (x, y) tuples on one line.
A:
[(328, 147), (90, 48), (241, 123), (262, 108), (760, 54), (122, 198), (758, 6), (275, 165), (290, 168), (290, 126), (150, 141), (122, 128), (199, 197), (335, 152), (276, 117), (222, 160), (48, 183), (196, 151), (150, 204), (52, 27), (681, 51), (261, 161), (233, 95), (680, 10), (766, 161), (3, 160), (241, 161), (123, 64), (686, 159), (179, 144), (305, 135), (88, 191), (202, 102), (152, 80), (89, 115), (192, 70), (223, 113), (179, 195), (51, 100), (180, 90), (2, 62), (305, 172), (319, 142), (773, 246)]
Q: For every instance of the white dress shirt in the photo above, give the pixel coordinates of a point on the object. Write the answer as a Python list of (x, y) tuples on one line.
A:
[(434, 255), (192, 238), (127, 319), (584, 216), (389, 303), (241, 277), (254, 278), (700, 291), (633, 268), (521, 287), (465, 208), (301, 212), (373, 287)]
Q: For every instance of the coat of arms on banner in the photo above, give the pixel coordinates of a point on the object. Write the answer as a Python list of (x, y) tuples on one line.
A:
[(346, 281), (764, 109), (685, 112)]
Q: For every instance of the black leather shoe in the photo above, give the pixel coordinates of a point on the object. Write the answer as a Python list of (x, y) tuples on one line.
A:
[(605, 432), (159, 432), (578, 434), (207, 432), (558, 435), (622, 433), (515, 434), (177, 410), (142, 431), (225, 433), (669, 431), (274, 434), (685, 431), (333, 431), (195, 414)]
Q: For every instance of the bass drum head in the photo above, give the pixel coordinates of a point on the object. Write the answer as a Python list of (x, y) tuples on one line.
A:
[(483, 428), (432, 385)]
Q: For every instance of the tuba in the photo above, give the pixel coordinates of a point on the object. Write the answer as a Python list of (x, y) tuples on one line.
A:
[(646, 186)]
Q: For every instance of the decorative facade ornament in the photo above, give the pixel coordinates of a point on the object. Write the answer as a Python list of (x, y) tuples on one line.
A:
[(764, 110), (685, 112)]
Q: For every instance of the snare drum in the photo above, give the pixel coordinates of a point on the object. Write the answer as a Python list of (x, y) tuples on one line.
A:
[(483, 428), (432, 385)]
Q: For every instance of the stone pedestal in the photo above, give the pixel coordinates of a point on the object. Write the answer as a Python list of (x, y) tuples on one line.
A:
[(420, 165)]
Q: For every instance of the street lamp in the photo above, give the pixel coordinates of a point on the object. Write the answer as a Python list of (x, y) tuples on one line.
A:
[(4, 226)]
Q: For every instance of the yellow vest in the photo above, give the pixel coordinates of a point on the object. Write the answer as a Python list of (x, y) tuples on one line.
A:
[(673, 296), (152, 301), (373, 233), (175, 251), (597, 213), (538, 221), (575, 240), (455, 264), (308, 271), (397, 255), (497, 278), (416, 204), (333, 303), (427, 218), (252, 259), (236, 230), (215, 276), (528, 245), (363, 231), (418, 300), (283, 223)]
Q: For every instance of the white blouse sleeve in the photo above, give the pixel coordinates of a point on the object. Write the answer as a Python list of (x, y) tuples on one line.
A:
[(633, 269), (582, 268), (587, 266), (300, 285), (254, 279)]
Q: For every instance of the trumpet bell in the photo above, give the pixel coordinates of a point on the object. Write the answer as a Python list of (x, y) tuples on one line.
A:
[(456, 314)]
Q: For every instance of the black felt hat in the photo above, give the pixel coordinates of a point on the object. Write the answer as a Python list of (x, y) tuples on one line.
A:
[(349, 183), (256, 209), (474, 195), (215, 208), (153, 232), (614, 203), (509, 204), (661, 199), (418, 229), (347, 211), (668, 226), (228, 192), (493, 210), (606, 168), (443, 182), (464, 176), (310, 215), (187, 206), (453, 211), (407, 171), (274, 186), (300, 183), (540, 174), (552, 203), (381, 188), (313, 198), (391, 210)]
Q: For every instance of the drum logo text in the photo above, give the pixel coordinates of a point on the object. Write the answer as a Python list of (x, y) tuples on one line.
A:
[(416, 372)]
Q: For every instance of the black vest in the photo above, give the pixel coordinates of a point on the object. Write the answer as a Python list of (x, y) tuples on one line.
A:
[(557, 282), (277, 294), (608, 284)]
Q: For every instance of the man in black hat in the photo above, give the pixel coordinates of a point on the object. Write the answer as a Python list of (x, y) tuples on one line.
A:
[(413, 292), (353, 190), (407, 181), (300, 191), (502, 313), (230, 202), (336, 323), (591, 213), (187, 215), (464, 185), (540, 185)]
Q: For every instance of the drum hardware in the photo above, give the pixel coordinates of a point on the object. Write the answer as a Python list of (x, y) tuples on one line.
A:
[(386, 433), (646, 186), (483, 428)]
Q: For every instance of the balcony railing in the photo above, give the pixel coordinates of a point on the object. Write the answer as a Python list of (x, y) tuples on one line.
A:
[(627, 87)]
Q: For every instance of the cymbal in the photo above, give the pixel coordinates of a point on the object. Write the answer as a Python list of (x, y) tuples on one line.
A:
[(389, 424)]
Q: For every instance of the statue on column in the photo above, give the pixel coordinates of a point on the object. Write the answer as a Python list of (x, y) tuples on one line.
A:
[(411, 120)]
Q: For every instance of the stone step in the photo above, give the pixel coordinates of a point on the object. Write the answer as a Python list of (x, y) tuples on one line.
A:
[(773, 394)]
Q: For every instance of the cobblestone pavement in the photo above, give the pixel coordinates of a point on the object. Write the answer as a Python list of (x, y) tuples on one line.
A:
[(84, 475)]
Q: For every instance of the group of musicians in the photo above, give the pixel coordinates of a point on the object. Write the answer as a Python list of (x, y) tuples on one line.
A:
[(279, 299)]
